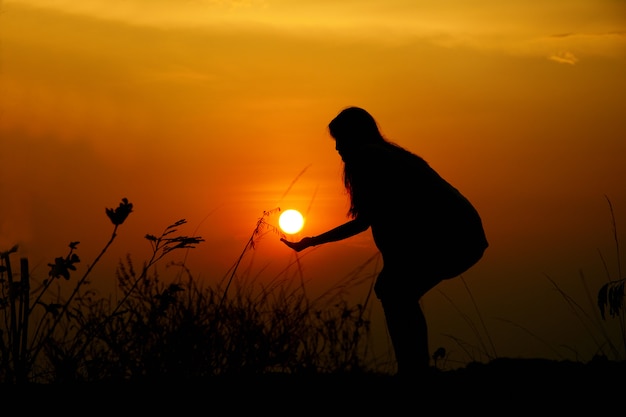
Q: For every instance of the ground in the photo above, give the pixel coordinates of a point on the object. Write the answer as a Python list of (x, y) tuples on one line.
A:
[(501, 387)]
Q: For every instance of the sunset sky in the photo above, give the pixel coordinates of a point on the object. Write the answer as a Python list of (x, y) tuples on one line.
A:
[(216, 111)]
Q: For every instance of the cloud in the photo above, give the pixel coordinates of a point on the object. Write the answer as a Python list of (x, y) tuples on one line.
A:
[(564, 58)]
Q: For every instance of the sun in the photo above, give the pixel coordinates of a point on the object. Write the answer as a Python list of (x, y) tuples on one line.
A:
[(291, 221)]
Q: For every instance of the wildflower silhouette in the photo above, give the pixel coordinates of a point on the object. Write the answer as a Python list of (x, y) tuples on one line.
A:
[(62, 266), (164, 244), (611, 298), (120, 214)]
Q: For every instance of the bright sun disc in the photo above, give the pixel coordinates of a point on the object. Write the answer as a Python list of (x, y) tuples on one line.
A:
[(291, 221)]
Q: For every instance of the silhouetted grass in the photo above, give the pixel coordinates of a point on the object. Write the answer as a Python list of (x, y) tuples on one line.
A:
[(483, 349), (59, 329), (592, 317), (174, 330), (609, 299)]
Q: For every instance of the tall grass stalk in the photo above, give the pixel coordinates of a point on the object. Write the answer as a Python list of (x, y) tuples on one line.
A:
[(261, 224), (589, 322), (14, 351), (611, 296), (484, 350)]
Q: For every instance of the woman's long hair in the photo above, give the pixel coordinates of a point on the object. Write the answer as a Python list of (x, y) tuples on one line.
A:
[(351, 128)]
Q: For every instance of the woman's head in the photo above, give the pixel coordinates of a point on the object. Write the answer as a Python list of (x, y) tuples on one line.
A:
[(353, 127)]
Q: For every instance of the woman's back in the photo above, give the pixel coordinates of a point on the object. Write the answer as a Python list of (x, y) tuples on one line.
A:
[(412, 210)]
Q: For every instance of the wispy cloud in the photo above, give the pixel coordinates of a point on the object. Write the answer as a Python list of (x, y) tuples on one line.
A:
[(572, 47), (515, 27), (564, 57)]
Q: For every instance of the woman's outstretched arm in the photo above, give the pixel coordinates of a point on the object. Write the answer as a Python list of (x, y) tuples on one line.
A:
[(344, 231)]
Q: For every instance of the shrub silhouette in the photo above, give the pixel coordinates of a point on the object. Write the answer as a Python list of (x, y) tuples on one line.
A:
[(173, 330)]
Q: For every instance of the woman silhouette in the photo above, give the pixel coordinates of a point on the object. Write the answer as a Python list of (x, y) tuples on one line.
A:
[(438, 236)]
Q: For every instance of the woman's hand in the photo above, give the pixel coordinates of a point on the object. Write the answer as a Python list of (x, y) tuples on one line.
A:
[(298, 246), (344, 231)]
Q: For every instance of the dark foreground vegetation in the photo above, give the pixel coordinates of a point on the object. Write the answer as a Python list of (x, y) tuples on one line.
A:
[(177, 337), (61, 330)]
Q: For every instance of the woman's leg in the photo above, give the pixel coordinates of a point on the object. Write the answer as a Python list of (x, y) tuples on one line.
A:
[(409, 333)]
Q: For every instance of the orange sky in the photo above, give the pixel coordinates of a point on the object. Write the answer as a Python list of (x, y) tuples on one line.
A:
[(210, 110)]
